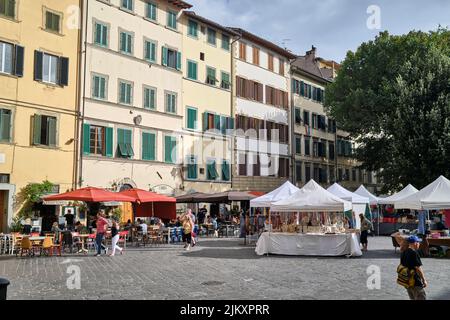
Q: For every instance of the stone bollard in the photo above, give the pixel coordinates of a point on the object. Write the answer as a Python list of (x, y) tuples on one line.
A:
[(4, 283)]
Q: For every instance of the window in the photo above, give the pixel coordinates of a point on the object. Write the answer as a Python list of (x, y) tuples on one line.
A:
[(125, 93), (353, 174), (331, 150), (192, 169), (170, 149), (211, 171), (242, 162), (225, 83), (193, 28), (52, 21), (124, 143), (4, 178), (8, 8), (101, 34), (99, 84), (315, 148), (332, 174), (307, 172), (5, 125), (151, 11), (242, 51), (126, 42), (11, 59), (347, 175), (218, 122), (276, 97), (307, 147), (225, 42), (249, 89), (298, 171), (44, 130), (192, 70), (339, 174), (148, 146), (150, 50), (281, 70), (171, 58), (256, 56), (298, 145), (97, 140), (212, 36), (211, 76), (172, 20), (149, 98), (127, 4), (51, 69), (191, 118), (270, 62), (306, 117), (171, 102), (225, 170), (298, 118), (283, 168)]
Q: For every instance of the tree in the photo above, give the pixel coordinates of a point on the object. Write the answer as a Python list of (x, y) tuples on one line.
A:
[(31, 194), (393, 96)]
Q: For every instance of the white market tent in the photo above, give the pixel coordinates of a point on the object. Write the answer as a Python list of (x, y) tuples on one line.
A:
[(358, 202), (282, 192), (311, 198), (363, 192), (406, 192), (434, 196)]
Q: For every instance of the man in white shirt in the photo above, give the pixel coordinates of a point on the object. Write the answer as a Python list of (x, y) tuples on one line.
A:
[(143, 226)]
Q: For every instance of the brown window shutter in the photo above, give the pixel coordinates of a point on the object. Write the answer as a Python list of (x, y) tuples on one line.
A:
[(238, 87), (243, 51), (270, 62)]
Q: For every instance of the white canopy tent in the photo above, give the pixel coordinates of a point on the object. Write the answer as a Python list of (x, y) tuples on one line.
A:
[(434, 196), (282, 192), (363, 192), (311, 198), (406, 192), (358, 202)]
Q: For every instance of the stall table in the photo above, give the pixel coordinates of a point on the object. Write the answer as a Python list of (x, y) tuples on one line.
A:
[(308, 244)]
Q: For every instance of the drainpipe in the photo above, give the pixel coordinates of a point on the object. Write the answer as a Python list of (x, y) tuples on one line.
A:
[(84, 94), (232, 113)]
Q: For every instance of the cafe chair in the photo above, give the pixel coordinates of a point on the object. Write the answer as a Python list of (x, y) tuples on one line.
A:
[(26, 247), (123, 238), (67, 241), (47, 246), (56, 246), (91, 243)]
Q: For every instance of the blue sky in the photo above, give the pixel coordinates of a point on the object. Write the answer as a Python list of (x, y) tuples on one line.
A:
[(333, 26)]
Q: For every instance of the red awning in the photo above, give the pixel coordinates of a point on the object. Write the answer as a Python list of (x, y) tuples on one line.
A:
[(142, 196), (91, 194)]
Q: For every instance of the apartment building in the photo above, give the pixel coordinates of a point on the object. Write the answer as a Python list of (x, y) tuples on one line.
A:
[(38, 101), (131, 101), (208, 120), (261, 106), (320, 150)]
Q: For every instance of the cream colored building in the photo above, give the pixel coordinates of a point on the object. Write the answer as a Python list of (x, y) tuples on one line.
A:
[(261, 105), (208, 120), (132, 95), (38, 101)]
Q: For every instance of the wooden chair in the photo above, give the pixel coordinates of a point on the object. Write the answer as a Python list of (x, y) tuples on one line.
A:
[(47, 246), (152, 237), (26, 247), (17, 244), (123, 238)]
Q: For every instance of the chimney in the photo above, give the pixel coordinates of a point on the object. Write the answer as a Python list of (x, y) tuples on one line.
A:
[(311, 54)]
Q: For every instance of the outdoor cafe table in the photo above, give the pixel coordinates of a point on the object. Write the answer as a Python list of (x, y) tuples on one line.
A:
[(83, 238), (345, 244), (37, 242)]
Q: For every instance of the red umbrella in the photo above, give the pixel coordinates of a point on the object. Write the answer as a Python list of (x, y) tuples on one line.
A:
[(91, 194), (164, 209), (142, 196)]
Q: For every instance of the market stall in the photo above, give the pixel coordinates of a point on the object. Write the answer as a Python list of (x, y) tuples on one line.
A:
[(359, 203), (311, 224)]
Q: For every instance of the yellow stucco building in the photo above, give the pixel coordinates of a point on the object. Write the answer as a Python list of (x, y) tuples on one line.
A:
[(206, 96), (38, 97)]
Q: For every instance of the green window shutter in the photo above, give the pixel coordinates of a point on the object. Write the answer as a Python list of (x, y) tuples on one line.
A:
[(5, 125), (216, 122), (152, 51), (86, 139), (98, 33), (225, 171), (146, 147), (96, 87), (223, 124), (51, 131), (129, 94), (152, 99), (168, 149), (192, 70), (123, 39), (104, 35), (102, 88), (109, 141), (121, 146), (152, 147), (178, 60), (37, 129), (128, 142), (205, 121), (192, 118), (164, 56)]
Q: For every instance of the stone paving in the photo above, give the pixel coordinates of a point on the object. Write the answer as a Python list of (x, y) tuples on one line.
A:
[(219, 269)]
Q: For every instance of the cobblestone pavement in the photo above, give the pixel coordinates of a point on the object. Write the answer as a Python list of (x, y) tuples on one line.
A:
[(216, 269)]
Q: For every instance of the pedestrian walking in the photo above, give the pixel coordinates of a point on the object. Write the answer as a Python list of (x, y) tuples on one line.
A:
[(366, 225), (410, 272), (194, 231), (102, 226), (115, 238), (187, 230)]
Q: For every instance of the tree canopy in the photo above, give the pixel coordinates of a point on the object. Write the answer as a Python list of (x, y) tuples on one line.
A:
[(393, 96)]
